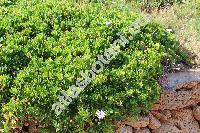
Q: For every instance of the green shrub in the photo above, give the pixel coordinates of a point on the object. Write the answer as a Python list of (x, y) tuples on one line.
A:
[(44, 46)]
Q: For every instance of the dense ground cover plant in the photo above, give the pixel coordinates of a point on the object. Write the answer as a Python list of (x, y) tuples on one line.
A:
[(44, 46)]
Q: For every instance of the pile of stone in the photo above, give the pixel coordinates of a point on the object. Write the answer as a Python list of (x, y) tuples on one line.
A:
[(177, 111)]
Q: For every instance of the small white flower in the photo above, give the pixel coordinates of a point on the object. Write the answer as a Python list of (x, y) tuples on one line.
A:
[(169, 30), (108, 23), (100, 114), (113, 2)]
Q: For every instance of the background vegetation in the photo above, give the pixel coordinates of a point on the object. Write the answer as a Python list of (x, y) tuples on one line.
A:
[(44, 46)]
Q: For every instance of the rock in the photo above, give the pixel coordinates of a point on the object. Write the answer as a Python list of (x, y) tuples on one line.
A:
[(154, 123), (167, 113), (170, 100), (196, 113), (180, 79), (187, 86), (124, 129), (159, 115), (184, 120), (139, 123), (181, 90), (118, 123), (127, 129), (167, 128), (120, 126), (142, 130), (196, 93)]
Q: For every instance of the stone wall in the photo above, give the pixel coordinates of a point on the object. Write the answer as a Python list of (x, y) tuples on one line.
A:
[(177, 110)]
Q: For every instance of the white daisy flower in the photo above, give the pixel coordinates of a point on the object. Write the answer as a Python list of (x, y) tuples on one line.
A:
[(113, 2), (100, 114), (169, 30), (108, 23)]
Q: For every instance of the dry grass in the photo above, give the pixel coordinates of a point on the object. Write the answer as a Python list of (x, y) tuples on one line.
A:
[(182, 20)]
